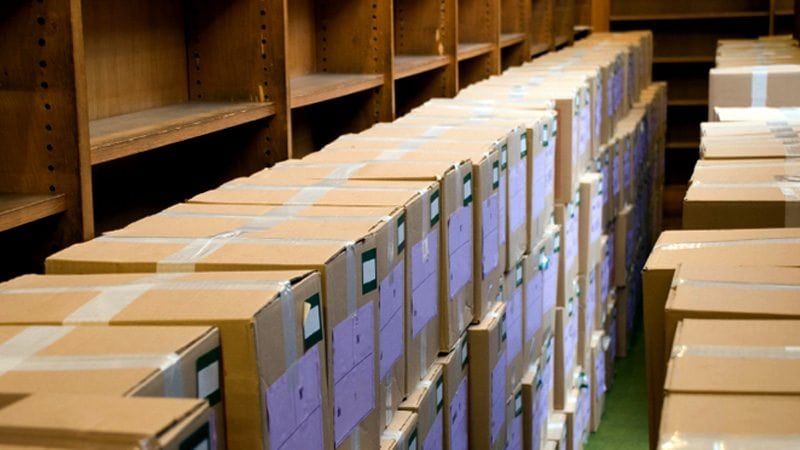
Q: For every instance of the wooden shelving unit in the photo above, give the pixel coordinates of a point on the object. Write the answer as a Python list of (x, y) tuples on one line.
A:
[(106, 106)]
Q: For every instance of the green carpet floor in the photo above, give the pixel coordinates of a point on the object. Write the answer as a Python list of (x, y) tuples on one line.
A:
[(624, 423)]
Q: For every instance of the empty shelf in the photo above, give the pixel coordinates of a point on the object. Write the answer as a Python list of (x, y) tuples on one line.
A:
[(19, 209), (409, 65), (319, 87), (467, 51)]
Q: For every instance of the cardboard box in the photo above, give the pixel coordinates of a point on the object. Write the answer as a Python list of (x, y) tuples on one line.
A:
[(401, 433), (513, 158), (515, 418), (487, 386), (625, 318), (775, 85), (624, 239), (567, 101), (427, 402), (456, 252), (598, 376), (116, 361), (604, 278), (93, 421), (604, 165), (735, 421), (566, 347), (249, 308), (568, 217), (733, 114), (422, 236), (767, 247), (517, 363), (590, 222), (455, 366), (534, 324), (757, 194), (747, 147), (557, 430), (552, 283), (534, 408), (488, 185), (610, 328), (704, 291), (734, 357), (587, 311)]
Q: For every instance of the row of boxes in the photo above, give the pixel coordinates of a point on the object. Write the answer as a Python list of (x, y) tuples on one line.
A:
[(325, 302)]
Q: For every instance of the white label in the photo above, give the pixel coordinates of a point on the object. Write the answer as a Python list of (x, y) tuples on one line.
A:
[(523, 144), (467, 188), (401, 234), (311, 323), (464, 353), (208, 380), (439, 393), (368, 272), (412, 444), (555, 127), (203, 445), (434, 208), (519, 274), (495, 175), (518, 403), (504, 156)]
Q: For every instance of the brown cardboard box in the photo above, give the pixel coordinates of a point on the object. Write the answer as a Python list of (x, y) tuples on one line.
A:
[(344, 250), (489, 181), (455, 417), (541, 136), (733, 114), (776, 85), (109, 422), (117, 361), (456, 252), (752, 129), (552, 284), (598, 375), (604, 165), (573, 423), (566, 347), (604, 278), (567, 101), (249, 308), (704, 291), (590, 226), (401, 433), (427, 402), (517, 363), (748, 147), (568, 217), (610, 328), (514, 419), (752, 194), (557, 430), (422, 225), (587, 311), (730, 421), (624, 321), (534, 408), (734, 357), (534, 325), (767, 247), (487, 385), (623, 250)]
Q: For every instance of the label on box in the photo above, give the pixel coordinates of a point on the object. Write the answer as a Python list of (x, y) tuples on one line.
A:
[(353, 370), (517, 178), (539, 185), (571, 238), (615, 162), (401, 233), (294, 404), (599, 373), (459, 240), (514, 431), (586, 130), (534, 300), (424, 281), (467, 189), (390, 309), (605, 279), (550, 284), (598, 107), (207, 375), (459, 421), (369, 271), (604, 173), (435, 437), (312, 321), (596, 225), (498, 397), (514, 324), (501, 225), (571, 338), (627, 165), (550, 168), (490, 240)]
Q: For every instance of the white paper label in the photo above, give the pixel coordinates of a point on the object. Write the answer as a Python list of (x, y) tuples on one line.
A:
[(495, 175), (368, 271), (203, 445), (467, 188), (434, 208), (464, 353), (439, 393), (401, 234), (311, 323), (412, 443), (208, 380)]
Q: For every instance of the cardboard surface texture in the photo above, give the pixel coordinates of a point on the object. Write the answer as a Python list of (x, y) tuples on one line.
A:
[(455, 368)]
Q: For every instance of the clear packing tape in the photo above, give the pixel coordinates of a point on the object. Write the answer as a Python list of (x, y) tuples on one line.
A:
[(711, 441), (733, 284), (677, 246), (731, 351)]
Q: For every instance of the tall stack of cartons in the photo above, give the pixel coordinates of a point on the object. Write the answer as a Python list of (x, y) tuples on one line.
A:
[(449, 280), (723, 293)]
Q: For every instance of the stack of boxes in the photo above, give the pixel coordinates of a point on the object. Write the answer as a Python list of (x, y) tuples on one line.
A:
[(460, 278), (721, 297)]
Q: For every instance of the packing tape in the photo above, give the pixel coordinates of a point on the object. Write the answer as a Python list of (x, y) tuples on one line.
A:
[(710, 441), (396, 436), (289, 323), (355, 439), (758, 86), (28, 342), (726, 351), (736, 285), (790, 167), (724, 244), (160, 281), (388, 407), (320, 186), (350, 255)]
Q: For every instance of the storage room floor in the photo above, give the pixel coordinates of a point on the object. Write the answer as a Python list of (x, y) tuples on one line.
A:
[(624, 423)]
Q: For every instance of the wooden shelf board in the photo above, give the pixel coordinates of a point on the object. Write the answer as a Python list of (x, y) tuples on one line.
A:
[(581, 31), (683, 59), (319, 87), (19, 209), (689, 16), (509, 39), (124, 135), (473, 50), (539, 49), (560, 40), (409, 65), (784, 12), (683, 145), (687, 102)]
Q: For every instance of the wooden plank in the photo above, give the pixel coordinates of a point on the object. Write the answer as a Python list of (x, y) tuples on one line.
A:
[(509, 39), (697, 59), (472, 50), (409, 65), (124, 135), (539, 49), (683, 145), (687, 102), (688, 16), (309, 89), (19, 209)]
